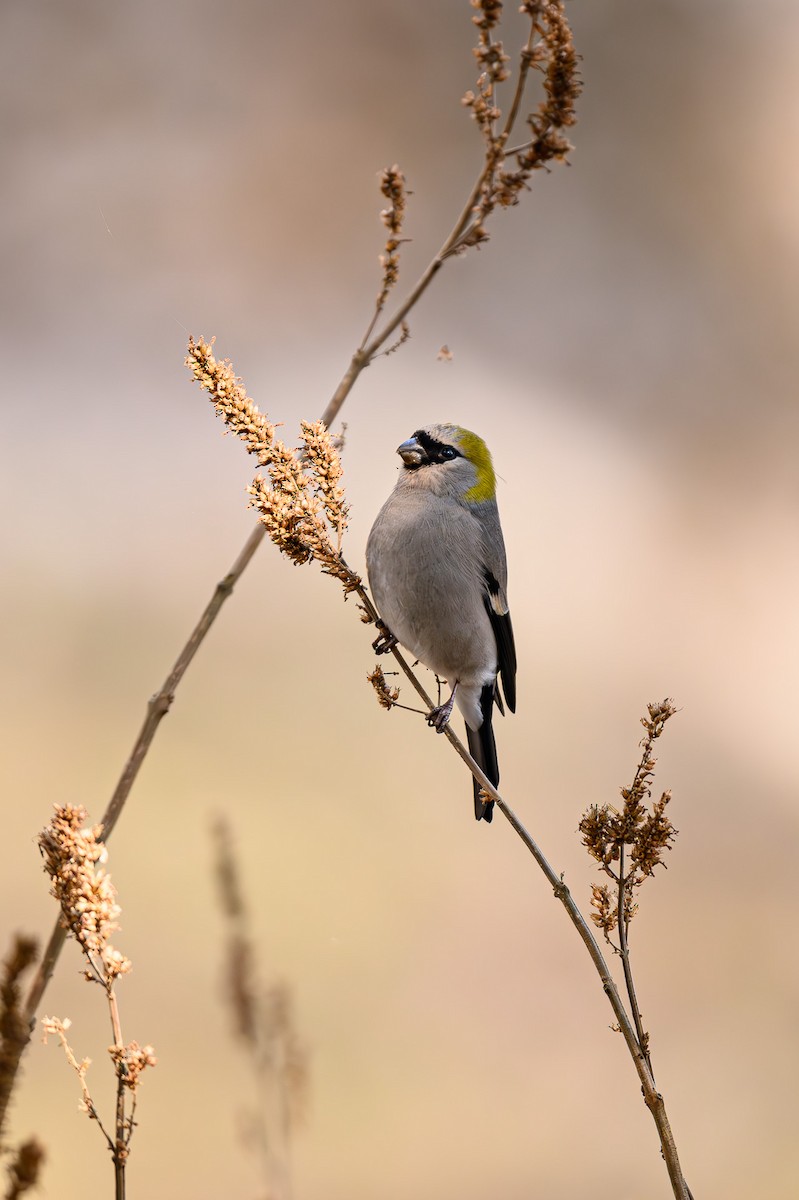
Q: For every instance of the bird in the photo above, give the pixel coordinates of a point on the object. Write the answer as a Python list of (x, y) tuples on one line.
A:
[(435, 559)]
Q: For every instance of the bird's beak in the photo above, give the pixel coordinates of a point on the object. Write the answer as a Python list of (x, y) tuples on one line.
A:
[(411, 452)]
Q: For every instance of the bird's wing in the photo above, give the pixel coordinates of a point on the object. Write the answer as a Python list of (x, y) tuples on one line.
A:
[(495, 574), (497, 609)]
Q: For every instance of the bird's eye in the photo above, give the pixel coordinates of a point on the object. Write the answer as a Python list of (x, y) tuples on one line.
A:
[(448, 452)]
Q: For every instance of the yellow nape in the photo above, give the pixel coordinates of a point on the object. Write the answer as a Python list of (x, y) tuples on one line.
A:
[(479, 455)]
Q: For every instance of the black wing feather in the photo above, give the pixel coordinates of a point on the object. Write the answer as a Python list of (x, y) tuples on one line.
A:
[(506, 647)]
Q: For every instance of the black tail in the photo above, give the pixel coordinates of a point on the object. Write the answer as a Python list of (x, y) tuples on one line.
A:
[(483, 750)]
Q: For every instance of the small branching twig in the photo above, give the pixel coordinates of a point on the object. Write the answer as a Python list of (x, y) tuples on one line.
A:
[(550, 49), (263, 1021), (607, 835), (392, 185), (74, 861)]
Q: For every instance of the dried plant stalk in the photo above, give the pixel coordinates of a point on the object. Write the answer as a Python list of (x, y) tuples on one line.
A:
[(639, 836), (24, 1169), (264, 1023), (14, 1031), (25, 1162), (74, 858)]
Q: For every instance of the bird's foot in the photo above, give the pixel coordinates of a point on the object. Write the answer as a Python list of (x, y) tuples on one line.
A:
[(438, 718), (385, 641)]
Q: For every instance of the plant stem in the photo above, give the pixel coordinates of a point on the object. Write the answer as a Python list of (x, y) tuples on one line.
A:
[(120, 1150), (652, 1098), (633, 1036), (158, 706), (624, 951)]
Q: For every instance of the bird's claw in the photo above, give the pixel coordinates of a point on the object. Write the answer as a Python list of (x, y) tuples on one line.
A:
[(438, 718), (385, 641)]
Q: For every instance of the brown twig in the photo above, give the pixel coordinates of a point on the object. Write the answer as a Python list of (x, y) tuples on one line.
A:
[(632, 1031), (624, 954), (652, 1098), (633, 1036), (157, 708)]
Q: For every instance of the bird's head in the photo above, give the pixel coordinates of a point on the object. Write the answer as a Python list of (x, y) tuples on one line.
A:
[(451, 461)]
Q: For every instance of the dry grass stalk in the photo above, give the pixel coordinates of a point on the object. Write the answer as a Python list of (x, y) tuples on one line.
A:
[(629, 843), (386, 697), (24, 1163), (549, 50), (24, 1169), (14, 1027), (264, 1023), (74, 861), (301, 503)]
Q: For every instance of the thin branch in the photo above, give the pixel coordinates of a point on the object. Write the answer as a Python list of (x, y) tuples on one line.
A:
[(624, 953), (633, 1034), (652, 1098), (157, 708)]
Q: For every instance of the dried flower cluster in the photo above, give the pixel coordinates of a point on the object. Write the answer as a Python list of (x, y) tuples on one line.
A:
[(130, 1061), (630, 843), (392, 185), (550, 49), (301, 504), (562, 85), (489, 53), (386, 697), (89, 911), (230, 400), (323, 458)]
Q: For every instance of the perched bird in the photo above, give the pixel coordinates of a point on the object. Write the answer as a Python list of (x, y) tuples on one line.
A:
[(437, 570)]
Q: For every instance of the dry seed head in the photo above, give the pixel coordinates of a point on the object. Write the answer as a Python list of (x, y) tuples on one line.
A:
[(492, 60), (129, 1062), (386, 697), (604, 915), (230, 399), (392, 185), (89, 911), (490, 12), (14, 1030), (655, 835), (327, 470), (23, 1169)]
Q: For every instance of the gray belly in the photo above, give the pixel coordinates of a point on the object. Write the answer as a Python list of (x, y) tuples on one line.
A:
[(429, 590)]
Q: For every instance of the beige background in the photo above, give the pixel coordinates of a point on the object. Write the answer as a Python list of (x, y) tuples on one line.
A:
[(627, 346)]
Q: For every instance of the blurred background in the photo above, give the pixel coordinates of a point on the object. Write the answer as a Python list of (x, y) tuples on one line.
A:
[(626, 343)]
